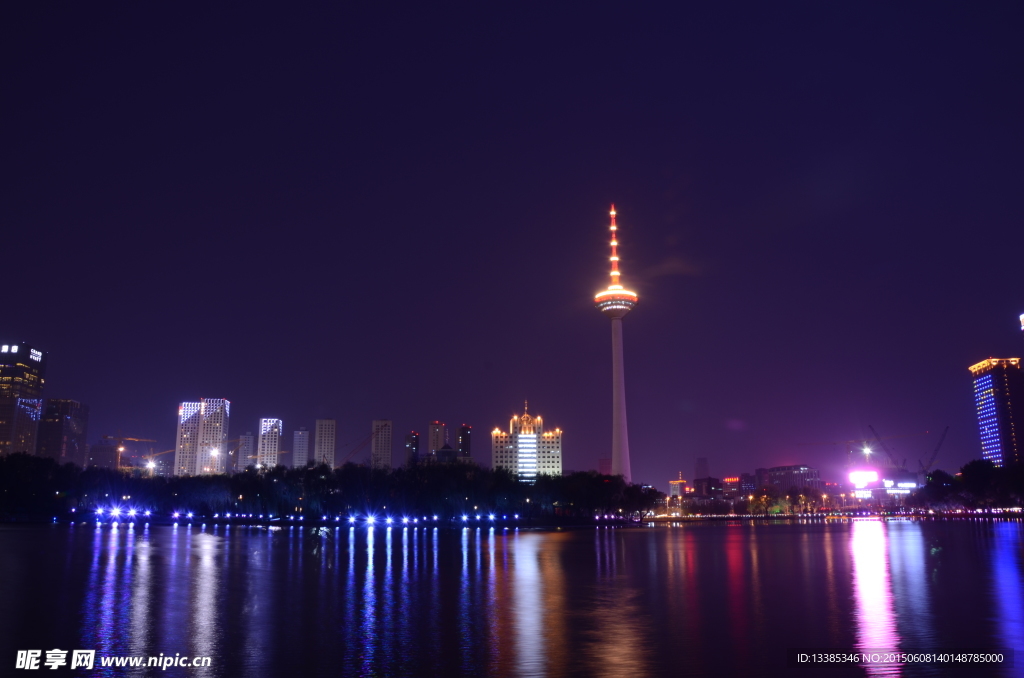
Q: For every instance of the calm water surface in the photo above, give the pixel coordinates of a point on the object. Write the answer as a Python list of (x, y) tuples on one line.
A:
[(693, 600)]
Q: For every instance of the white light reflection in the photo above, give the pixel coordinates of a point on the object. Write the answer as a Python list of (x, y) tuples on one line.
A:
[(528, 608), (204, 628), (875, 621), (908, 559), (141, 616)]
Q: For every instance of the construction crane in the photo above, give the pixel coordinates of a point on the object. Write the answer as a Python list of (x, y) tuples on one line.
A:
[(360, 446), (120, 444), (892, 457), (862, 440), (150, 464), (935, 453)]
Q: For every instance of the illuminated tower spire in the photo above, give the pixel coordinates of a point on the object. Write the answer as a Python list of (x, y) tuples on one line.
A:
[(615, 302)]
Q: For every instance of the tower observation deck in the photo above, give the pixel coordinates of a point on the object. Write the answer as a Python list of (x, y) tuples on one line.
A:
[(615, 302)]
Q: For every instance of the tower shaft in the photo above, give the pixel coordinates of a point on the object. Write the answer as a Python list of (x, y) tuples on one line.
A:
[(615, 302), (620, 431)]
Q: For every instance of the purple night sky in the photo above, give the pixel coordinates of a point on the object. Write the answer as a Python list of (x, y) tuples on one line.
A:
[(401, 212)]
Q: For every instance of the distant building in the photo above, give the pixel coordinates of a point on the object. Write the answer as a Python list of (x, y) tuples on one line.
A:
[(464, 442), (748, 483), (762, 478), (731, 487), (526, 449), (677, 488), (300, 448), (785, 477), (380, 444), (437, 436), (22, 375), (269, 443), (412, 448), (702, 469), (604, 466), (102, 455), (201, 442), (62, 432), (323, 444), (708, 488), (246, 453), (999, 401), (446, 455)]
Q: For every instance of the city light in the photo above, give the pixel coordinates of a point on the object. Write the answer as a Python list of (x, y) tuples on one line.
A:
[(860, 479)]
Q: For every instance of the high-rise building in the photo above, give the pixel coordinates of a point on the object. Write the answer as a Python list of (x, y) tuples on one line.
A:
[(300, 448), (55, 438), (615, 302), (380, 444), (762, 478), (526, 449), (201, 443), (999, 400), (323, 444), (465, 442), (748, 483), (246, 453), (62, 432), (412, 448), (731, 486), (269, 444), (22, 375), (702, 469), (437, 437), (677, 488), (785, 478), (103, 454)]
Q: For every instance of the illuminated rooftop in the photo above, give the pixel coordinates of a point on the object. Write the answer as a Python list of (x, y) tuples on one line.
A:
[(986, 365)]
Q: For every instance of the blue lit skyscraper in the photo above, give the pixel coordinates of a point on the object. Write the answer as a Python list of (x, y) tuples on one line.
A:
[(999, 401)]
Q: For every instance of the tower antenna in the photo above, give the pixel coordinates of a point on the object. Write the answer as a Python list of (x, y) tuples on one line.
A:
[(615, 302)]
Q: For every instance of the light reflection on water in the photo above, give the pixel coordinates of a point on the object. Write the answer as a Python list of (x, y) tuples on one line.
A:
[(876, 622), (705, 600)]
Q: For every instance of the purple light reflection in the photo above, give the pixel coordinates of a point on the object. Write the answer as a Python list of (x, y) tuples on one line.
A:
[(875, 621)]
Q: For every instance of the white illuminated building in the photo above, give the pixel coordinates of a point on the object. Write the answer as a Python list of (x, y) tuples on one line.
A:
[(323, 444), (380, 445), (269, 443), (526, 449), (201, 444)]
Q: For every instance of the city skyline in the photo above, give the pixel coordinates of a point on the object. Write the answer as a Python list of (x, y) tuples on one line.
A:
[(800, 222)]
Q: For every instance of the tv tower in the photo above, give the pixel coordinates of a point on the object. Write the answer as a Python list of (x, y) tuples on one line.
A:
[(615, 302)]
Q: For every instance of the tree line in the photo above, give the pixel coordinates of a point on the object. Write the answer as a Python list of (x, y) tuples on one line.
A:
[(32, 487)]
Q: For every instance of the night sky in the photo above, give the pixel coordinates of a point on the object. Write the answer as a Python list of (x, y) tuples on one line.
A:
[(387, 211)]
